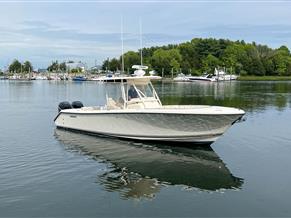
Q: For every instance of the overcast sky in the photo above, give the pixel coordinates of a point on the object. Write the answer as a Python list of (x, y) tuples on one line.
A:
[(78, 30)]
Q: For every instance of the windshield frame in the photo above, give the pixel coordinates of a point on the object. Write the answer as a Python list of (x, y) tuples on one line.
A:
[(122, 100)]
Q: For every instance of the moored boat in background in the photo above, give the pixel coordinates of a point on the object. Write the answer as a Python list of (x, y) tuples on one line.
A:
[(204, 77), (181, 78), (79, 78)]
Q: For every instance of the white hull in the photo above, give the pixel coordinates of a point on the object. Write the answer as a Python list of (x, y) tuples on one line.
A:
[(213, 79), (201, 78), (200, 124)]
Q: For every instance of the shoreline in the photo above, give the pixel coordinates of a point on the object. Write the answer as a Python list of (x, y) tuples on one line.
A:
[(168, 79), (264, 78)]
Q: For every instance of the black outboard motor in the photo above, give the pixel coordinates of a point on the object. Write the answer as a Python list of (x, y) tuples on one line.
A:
[(64, 105), (77, 104)]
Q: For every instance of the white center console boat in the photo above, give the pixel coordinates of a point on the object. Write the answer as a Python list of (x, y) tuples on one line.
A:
[(133, 110)]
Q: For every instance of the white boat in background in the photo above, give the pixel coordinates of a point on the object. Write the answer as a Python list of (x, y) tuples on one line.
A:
[(117, 77), (107, 78), (181, 78), (40, 77), (228, 77), (221, 75), (133, 110), (204, 77)]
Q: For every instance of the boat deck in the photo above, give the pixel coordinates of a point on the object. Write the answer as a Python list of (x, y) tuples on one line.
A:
[(168, 109)]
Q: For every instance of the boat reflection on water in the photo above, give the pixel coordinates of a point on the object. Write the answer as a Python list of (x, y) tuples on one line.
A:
[(140, 170)]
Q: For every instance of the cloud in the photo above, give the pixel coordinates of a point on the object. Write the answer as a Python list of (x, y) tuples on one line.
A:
[(35, 39), (42, 31), (36, 24)]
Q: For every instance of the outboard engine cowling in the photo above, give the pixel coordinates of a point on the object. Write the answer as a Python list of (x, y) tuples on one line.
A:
[(77, 104), (64, 105)]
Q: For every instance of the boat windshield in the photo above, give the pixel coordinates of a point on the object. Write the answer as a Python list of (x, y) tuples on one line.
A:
[(139, 91), (131, 94), (114, 95)]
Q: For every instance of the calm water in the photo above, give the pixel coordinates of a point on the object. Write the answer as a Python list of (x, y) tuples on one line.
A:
[(56, 173)]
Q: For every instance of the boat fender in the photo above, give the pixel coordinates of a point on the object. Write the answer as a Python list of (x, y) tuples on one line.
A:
[(77, 104), (64, 105)]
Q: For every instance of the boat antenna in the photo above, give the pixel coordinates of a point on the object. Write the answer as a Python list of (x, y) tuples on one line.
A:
[(140, 35), (122, 57)]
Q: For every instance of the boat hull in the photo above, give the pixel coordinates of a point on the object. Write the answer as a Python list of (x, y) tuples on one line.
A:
[(154, 125)]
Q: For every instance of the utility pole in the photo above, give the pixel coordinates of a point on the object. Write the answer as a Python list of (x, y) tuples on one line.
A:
[(122, 47)]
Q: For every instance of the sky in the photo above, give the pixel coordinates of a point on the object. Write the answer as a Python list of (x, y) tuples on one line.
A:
[(90, 31)]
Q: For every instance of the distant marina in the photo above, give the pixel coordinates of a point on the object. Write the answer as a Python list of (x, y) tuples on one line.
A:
[(218, 75)]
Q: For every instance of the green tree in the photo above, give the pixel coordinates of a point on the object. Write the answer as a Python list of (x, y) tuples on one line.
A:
[(209, 63), (54, 66), (130, 58), (281, 59), (253, 63), (199, 55), (234, 57), (190, 58), (63, 66), (288, 71), (105, 64), (269, 66), (285, 51), (166, 59), (175, 65), (76, 70), (15, 67), (160, 60), (256, 67), (27, 67), (114, 65)]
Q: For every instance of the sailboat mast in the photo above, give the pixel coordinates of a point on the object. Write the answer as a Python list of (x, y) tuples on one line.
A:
[(122, 57), (140, 32)]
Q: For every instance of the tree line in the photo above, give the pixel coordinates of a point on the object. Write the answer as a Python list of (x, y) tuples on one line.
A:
[(203, 55), (63, 67), (56, 66), (18, 67)]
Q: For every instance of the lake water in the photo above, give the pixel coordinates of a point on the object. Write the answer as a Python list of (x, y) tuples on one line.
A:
[(46, 172)]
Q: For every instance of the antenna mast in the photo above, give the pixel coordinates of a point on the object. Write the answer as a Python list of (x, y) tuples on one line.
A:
[(140, 32), (122, 57)]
